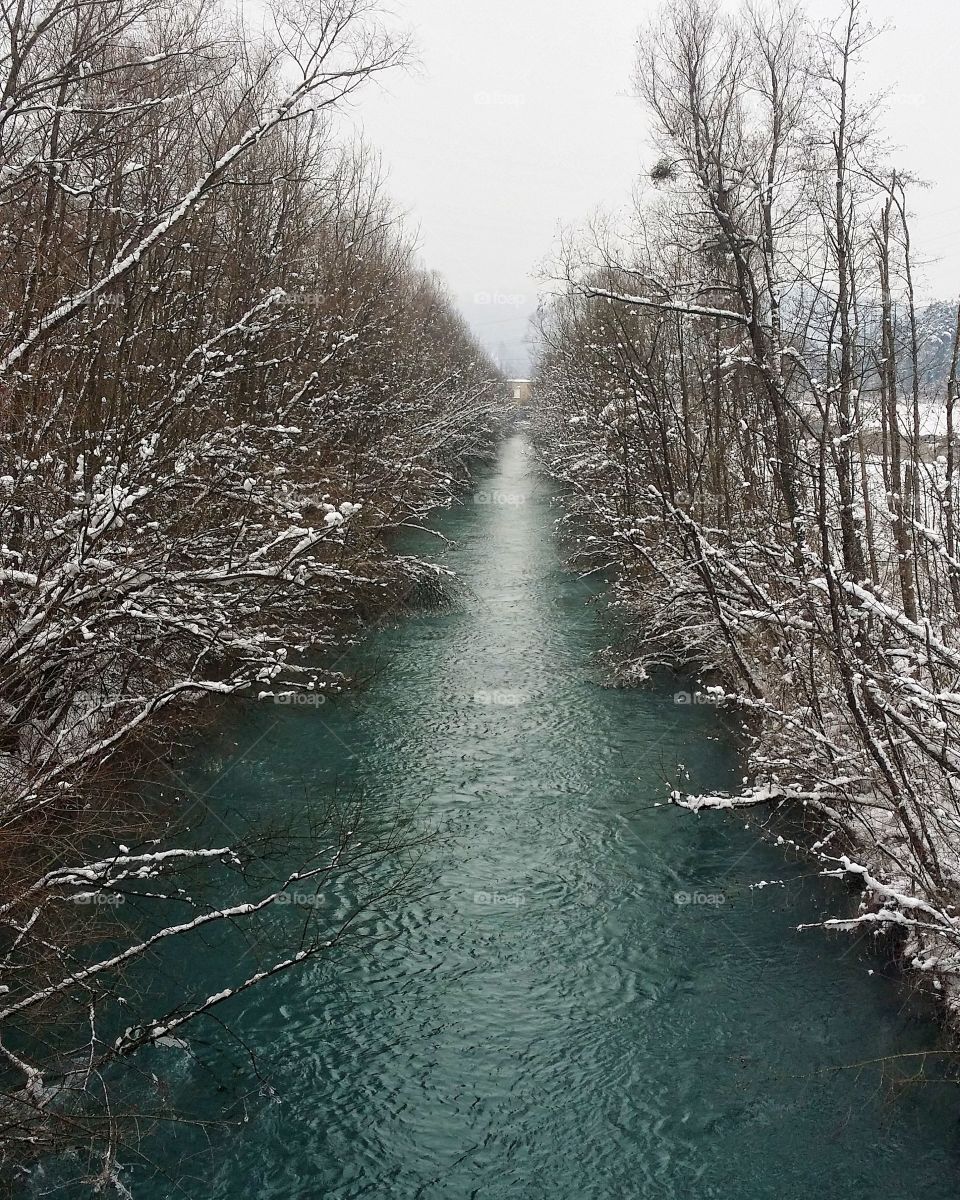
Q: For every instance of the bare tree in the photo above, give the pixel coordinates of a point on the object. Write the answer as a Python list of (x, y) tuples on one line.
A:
[(224, 380), (734, 394)]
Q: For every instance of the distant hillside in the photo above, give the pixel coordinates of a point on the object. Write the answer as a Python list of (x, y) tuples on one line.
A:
[(938, 329)]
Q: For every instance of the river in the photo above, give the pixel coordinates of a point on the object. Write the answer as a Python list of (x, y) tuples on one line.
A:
[(591, 1000)]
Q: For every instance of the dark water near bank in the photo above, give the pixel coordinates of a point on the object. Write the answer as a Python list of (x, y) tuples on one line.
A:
[(549, 1021)]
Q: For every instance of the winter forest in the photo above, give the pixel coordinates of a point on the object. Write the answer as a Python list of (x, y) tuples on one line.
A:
[(260, 479), (757, 424)]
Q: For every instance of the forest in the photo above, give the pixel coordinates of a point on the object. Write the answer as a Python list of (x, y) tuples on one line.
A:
[(756, 420), (225, 381)]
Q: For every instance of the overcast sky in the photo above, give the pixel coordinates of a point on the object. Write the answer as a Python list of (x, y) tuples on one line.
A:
[(519, 120)]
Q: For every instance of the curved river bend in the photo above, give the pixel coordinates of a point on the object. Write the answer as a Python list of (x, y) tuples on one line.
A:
[(550, 1021)]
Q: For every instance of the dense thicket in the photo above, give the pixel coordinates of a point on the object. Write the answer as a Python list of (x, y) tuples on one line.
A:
[(757, 427), (223, 380)]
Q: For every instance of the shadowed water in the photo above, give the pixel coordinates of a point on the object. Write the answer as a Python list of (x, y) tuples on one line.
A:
[(550, 1021)]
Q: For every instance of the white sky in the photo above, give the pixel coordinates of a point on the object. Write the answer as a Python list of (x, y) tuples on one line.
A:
[(518, 120)]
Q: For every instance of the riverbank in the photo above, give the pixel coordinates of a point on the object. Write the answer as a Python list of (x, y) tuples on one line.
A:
[(687, 597), (96, 818), (749, 453)]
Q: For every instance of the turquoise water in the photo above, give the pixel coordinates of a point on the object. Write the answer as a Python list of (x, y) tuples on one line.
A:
[(538, 1015)]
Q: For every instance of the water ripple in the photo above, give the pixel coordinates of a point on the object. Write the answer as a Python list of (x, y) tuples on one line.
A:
[(549, 1021)]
